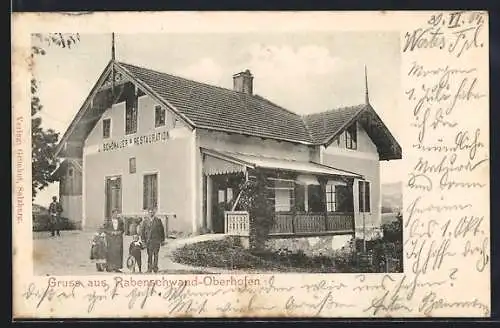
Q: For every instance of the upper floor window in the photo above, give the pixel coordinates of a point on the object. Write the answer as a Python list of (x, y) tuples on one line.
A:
[(351, 135), (160, 116), (131, 114), (349, 138), (106, 128)]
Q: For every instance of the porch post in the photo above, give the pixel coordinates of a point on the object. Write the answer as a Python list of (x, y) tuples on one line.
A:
[(322, 182), (350, 190), (306, 198), (209, 203), (293, 176)]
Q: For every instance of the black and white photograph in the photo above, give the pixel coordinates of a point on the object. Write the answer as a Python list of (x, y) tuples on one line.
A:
[(235, 152), (251, 165)]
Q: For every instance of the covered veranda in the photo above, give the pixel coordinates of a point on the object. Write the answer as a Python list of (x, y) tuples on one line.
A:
[(308, 198)]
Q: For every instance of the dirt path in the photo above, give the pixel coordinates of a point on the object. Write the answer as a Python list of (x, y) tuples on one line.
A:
[(69, 254)]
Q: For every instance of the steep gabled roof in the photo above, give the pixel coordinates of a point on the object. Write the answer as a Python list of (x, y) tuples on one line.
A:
[(210, 107), (213, 107), (325, 125)]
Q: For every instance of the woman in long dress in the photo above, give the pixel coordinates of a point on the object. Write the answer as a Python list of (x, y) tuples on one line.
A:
[(114, 241)]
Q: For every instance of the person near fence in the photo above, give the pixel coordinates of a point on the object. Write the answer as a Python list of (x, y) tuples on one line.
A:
[(55, 210), (114, 241), (153, 236)]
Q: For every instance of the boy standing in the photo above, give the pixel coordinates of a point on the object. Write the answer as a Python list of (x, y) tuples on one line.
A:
[(135, 251)]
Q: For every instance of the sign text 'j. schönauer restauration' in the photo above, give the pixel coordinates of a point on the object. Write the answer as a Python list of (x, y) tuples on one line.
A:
[(135, 141)]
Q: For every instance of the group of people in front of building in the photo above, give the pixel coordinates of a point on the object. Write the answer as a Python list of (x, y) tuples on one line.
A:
[(107, 244)]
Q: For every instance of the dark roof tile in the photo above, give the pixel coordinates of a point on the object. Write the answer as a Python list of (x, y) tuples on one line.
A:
[(324, 125)]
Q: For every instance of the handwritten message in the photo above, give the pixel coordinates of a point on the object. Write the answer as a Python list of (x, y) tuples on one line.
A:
[(446, 217), (261, 295)]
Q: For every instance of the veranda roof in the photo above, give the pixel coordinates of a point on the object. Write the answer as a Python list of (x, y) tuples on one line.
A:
[(229, 161)]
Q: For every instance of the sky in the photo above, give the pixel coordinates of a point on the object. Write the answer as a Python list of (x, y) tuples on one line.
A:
[(305, 73)]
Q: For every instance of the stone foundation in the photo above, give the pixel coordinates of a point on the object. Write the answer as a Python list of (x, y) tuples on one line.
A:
[(371, 233), (313, 246)]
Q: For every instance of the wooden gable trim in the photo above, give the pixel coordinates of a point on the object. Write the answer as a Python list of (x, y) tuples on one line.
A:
[(395, 147), (83, 109), (150, 92), (98, 87)]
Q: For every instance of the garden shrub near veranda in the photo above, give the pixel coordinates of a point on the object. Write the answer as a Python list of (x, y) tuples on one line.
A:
[(254, 200)]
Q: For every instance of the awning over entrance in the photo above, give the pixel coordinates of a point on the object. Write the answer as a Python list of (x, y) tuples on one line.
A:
[(221, 162)]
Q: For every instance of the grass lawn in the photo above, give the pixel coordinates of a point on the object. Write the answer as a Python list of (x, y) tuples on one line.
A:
[(230, 256)]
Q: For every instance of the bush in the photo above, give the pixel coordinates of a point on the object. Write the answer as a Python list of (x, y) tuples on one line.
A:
[(228, 254), (388, 248), (42, 223)]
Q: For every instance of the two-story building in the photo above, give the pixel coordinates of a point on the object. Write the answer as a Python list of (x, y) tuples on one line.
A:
[(144, 138)]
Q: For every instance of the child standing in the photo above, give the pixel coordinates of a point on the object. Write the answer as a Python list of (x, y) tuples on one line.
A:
[(135, 256), (98, 251)]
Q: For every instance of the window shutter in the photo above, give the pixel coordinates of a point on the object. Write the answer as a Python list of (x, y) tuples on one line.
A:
[(364, 203), (300, 198), (145, 193), (155, 191), (360, 196), (367, 197)]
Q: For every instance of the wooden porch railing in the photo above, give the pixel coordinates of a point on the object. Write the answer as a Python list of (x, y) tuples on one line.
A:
[(312, 223), (237, 223)]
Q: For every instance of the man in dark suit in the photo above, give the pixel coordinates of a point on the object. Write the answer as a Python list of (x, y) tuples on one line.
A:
[(153, 236), (55, 210)]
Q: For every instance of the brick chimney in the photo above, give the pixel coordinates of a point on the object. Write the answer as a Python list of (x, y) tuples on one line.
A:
[(243, 82)]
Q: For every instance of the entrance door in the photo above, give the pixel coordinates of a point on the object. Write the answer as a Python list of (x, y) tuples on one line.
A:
[(223, 190), (113, 195)]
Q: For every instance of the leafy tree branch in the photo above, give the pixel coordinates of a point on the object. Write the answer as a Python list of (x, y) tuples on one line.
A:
[(44, 141)]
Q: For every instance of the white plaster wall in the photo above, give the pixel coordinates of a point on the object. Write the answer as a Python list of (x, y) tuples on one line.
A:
[(169, 158), (365, 161)]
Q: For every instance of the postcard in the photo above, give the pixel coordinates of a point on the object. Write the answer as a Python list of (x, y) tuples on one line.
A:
[(250, 164)]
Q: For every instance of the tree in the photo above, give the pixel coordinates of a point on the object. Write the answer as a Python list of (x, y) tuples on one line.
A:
[(44, 141)]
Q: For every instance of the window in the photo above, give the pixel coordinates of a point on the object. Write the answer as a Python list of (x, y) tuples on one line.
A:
[(70, 172), (351, 137), (131, 114), (315, 202), (150, 196), (160, 116), (284, 194), (344, 201), (229, 192), (221, 196), (131, 165), (106, 128), (331, 200), (300, 201), (364, 196)]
